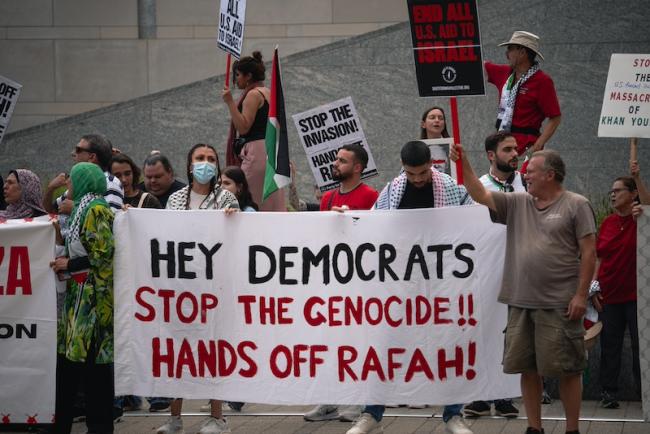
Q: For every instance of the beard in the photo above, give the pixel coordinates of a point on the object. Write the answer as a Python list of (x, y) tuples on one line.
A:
[(505, 167), (338, 176)]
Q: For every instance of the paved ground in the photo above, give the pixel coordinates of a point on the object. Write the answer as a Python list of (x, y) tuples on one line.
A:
[(268, 419)]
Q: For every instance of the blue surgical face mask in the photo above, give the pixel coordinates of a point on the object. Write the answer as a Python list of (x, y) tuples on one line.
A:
[(203, 172)]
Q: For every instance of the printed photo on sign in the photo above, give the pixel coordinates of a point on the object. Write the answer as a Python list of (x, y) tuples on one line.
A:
[(440, 155), (323, 130), (626, 104), (447, 47), (230, 34), (9, 93)]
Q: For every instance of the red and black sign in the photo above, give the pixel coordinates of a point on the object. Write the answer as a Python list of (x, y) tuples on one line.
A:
[(447, 47)]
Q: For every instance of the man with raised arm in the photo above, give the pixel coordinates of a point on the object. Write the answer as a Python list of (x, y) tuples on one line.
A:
[(550, 259)]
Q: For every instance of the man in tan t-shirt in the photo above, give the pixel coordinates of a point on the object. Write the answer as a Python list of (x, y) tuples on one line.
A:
[(550, 258)]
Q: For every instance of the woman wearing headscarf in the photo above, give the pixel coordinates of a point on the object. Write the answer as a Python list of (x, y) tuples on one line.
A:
[(22, 194), (249, 116), (85, 329)]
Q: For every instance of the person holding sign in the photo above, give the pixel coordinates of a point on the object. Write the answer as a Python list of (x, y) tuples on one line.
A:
[(549, 264), (527, 94), (352, 194), (418, 186), (203, 192), (248, 127), (614, 287), (85, 329)]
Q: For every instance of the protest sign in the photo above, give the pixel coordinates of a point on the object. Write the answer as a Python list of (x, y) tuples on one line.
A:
[(626, 104), (323, 130), (27, 322), (447, 47), (362, 307), (230, 36), (440, 155), (9, 93)]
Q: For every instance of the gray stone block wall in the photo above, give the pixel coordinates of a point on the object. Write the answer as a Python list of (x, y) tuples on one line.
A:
[(377, 70)]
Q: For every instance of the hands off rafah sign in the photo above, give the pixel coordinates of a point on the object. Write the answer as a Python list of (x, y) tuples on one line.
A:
[(626, 104), (9, 93), (447, 47), (323, 307), (323, 130), (230, 37)]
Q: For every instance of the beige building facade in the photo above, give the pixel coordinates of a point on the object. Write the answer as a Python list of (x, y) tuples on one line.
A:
[(73, 56)]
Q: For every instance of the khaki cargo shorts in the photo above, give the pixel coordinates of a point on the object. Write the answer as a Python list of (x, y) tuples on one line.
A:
[(545, 341)]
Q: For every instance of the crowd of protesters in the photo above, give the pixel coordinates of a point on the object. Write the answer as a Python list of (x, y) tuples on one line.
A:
[(592, 268)]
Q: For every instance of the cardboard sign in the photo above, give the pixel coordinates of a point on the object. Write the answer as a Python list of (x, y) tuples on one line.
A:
[(27, 322), (9, 93), (447, 47), (232, 16), (362, 307), (626, 104), (440, 155), (323, 130)]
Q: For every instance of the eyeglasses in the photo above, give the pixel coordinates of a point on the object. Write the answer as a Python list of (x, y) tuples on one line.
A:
[(78, 150), (616, 190)]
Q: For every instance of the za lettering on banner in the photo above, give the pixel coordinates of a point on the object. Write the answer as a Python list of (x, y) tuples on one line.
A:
[(626, 104), (323, 130), (326, 308), (27, 322), (447, 47), (230, 35), (9, 93)]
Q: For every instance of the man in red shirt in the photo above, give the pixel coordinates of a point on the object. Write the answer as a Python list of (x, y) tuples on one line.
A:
[(526, 94), (350, 163)]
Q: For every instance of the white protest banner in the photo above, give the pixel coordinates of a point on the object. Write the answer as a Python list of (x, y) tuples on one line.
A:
[(626, 104), (362, 307), (27, 322), (323, 130), (232, 16), (9, 93), (440, 154)]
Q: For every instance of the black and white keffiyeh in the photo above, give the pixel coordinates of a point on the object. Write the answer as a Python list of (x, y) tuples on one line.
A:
[(509, 97)]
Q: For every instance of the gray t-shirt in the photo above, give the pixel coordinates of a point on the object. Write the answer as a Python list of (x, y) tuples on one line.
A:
[(542, 264)]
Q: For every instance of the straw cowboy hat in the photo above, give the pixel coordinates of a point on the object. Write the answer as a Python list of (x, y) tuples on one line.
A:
[(525, 39), (591, 335)]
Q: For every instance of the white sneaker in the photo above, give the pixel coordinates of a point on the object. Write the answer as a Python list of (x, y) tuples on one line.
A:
[(350, 413), (365, 425), (212, 425), (322, 412), (174, 425), (456, 425)]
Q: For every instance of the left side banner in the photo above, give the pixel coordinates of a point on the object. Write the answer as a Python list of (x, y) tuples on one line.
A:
[(27, 322)]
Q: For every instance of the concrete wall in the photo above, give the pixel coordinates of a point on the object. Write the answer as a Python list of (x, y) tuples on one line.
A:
[(72, 56)]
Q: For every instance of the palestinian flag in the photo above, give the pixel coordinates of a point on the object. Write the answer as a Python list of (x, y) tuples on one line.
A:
[(277, 174)]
